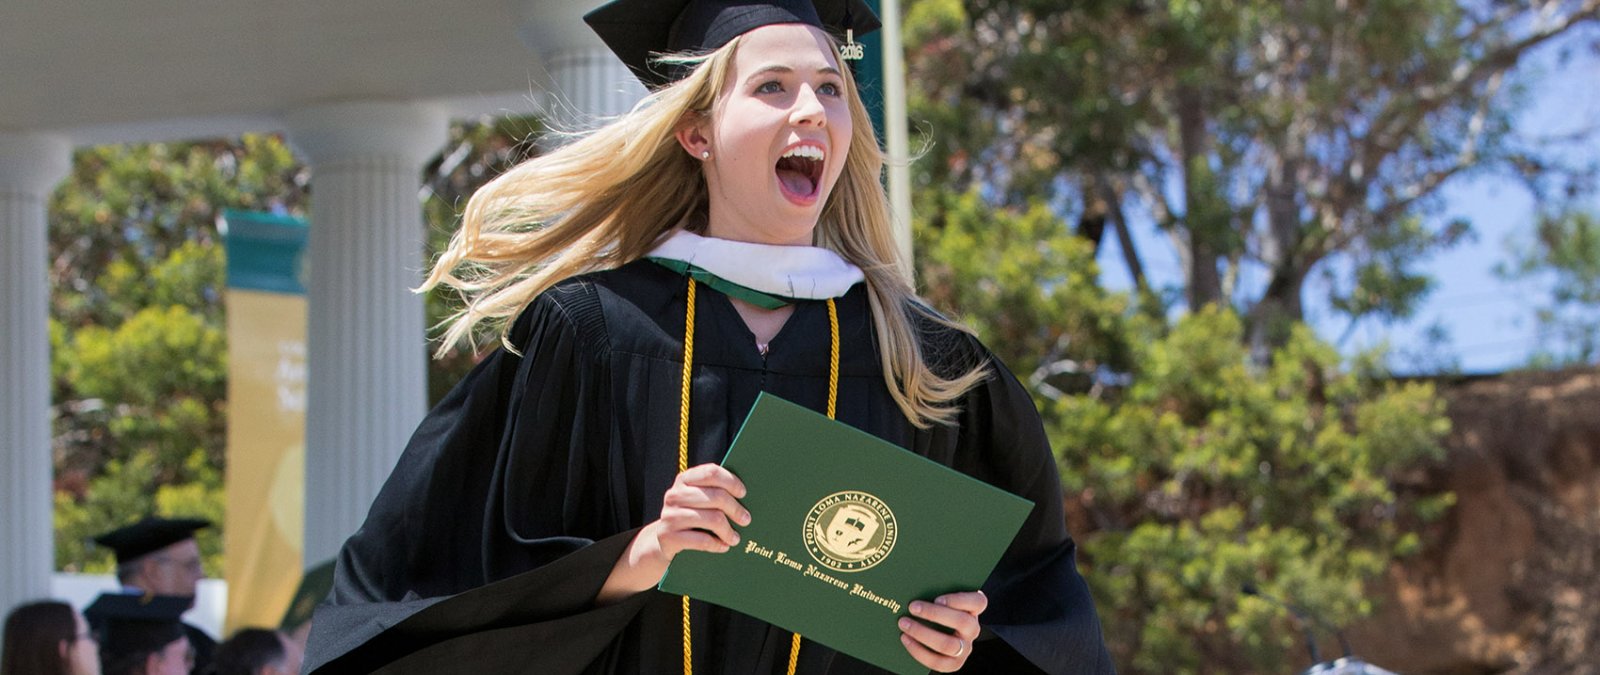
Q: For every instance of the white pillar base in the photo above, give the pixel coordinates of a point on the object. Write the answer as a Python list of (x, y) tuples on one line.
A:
[(366, 353), (30, 166)]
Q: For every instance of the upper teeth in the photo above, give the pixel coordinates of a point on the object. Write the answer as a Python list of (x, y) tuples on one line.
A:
[(806, 151)]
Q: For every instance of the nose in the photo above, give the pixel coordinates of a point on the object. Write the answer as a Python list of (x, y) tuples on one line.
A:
[(808, 109)]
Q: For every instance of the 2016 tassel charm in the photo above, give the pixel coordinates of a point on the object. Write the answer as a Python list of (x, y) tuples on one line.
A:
[(851, 50)]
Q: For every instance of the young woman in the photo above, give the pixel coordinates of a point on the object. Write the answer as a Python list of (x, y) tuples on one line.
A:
[(728, 237), (48, 638)]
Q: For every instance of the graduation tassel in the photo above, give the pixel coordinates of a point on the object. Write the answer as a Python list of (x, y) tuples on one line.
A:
[(851, 50), (683, 448), (683, 439)]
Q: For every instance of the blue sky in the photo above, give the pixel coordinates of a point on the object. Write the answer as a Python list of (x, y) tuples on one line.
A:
[(1488, 323)]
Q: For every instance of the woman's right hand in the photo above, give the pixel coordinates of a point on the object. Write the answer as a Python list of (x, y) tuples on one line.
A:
[(697, 513)]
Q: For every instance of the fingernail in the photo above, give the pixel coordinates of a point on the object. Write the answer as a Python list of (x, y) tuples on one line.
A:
[(916, 608), (736, 539), (744, 518), (941, 600), (905, 624)]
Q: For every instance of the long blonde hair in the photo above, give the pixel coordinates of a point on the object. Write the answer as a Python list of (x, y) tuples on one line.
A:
[(604, 199)]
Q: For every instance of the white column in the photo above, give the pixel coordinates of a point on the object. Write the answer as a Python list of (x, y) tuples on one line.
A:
[(588, 84), (582, 80), (30, 166), (366, 354), (896, 142)]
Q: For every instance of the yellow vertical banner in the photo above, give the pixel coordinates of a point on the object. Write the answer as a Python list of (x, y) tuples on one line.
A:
[(265, 481)]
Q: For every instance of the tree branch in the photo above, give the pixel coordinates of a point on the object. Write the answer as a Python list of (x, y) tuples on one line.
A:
[(1392, 125), (1130, 253)]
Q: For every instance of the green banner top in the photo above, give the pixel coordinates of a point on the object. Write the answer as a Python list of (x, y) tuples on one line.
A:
[(265, 251)]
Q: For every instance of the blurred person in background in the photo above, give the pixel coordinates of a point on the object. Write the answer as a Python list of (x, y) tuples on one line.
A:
[(141, 634), (159, 556), (48, 638), (257, 651)]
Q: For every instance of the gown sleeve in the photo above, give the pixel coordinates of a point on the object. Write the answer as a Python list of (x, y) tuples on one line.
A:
[(1039, 605), (205, 648), (485, 548)]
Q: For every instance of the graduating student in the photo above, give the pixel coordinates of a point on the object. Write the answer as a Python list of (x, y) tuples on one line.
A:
[(729, 236), (159, 556), (141, 635)]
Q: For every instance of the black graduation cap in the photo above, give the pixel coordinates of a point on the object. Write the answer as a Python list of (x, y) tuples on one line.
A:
[(149, 535), (135, 625), (640, 30)]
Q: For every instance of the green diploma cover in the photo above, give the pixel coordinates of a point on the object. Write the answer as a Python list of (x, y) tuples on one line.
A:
[(846, 530)]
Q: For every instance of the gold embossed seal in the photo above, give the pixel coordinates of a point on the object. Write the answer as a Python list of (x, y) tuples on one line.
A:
[(850, 531)]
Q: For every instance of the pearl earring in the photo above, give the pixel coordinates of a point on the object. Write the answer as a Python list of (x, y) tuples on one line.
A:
[(705, 154)]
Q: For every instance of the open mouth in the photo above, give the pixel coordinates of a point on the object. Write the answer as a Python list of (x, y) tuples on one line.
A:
[(800, 172)]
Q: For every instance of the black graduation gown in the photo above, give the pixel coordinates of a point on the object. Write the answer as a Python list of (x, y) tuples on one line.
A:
[(484, 550), (205, 648)]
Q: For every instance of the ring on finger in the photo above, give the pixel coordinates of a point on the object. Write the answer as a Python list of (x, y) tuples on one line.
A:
[(961, 648)]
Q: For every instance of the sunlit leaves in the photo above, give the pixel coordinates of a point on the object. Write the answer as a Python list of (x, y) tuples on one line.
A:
[(1192, 467)]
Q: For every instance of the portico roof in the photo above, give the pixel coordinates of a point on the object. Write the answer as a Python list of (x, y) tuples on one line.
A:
[(134, 70)]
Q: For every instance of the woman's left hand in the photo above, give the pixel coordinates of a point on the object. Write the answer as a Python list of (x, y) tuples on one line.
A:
[(934, 648)]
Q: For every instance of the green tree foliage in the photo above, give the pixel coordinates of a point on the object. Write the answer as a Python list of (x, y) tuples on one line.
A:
[(139, 356), (139, 353), (1561, 261), (136, 204), (1191, 467), (1266, 138), (1211, 472)]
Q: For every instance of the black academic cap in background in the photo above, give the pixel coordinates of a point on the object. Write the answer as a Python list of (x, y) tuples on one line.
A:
[(640, 30), (132, 625), (151, 534)]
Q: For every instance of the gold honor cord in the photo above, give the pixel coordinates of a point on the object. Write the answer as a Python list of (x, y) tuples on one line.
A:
[(683, 439), (683, 446)]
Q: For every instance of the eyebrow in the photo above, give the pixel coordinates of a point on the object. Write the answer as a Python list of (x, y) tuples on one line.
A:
[(785, 70)]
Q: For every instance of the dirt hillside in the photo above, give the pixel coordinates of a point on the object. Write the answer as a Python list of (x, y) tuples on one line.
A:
[(1509, 580)]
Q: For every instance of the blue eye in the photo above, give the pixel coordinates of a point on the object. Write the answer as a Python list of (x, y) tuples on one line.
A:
[(830, 89), (771, 87)]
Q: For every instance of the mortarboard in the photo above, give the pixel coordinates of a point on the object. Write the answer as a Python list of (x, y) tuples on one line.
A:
[(134, 625), (149, 535), (640, 30)]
